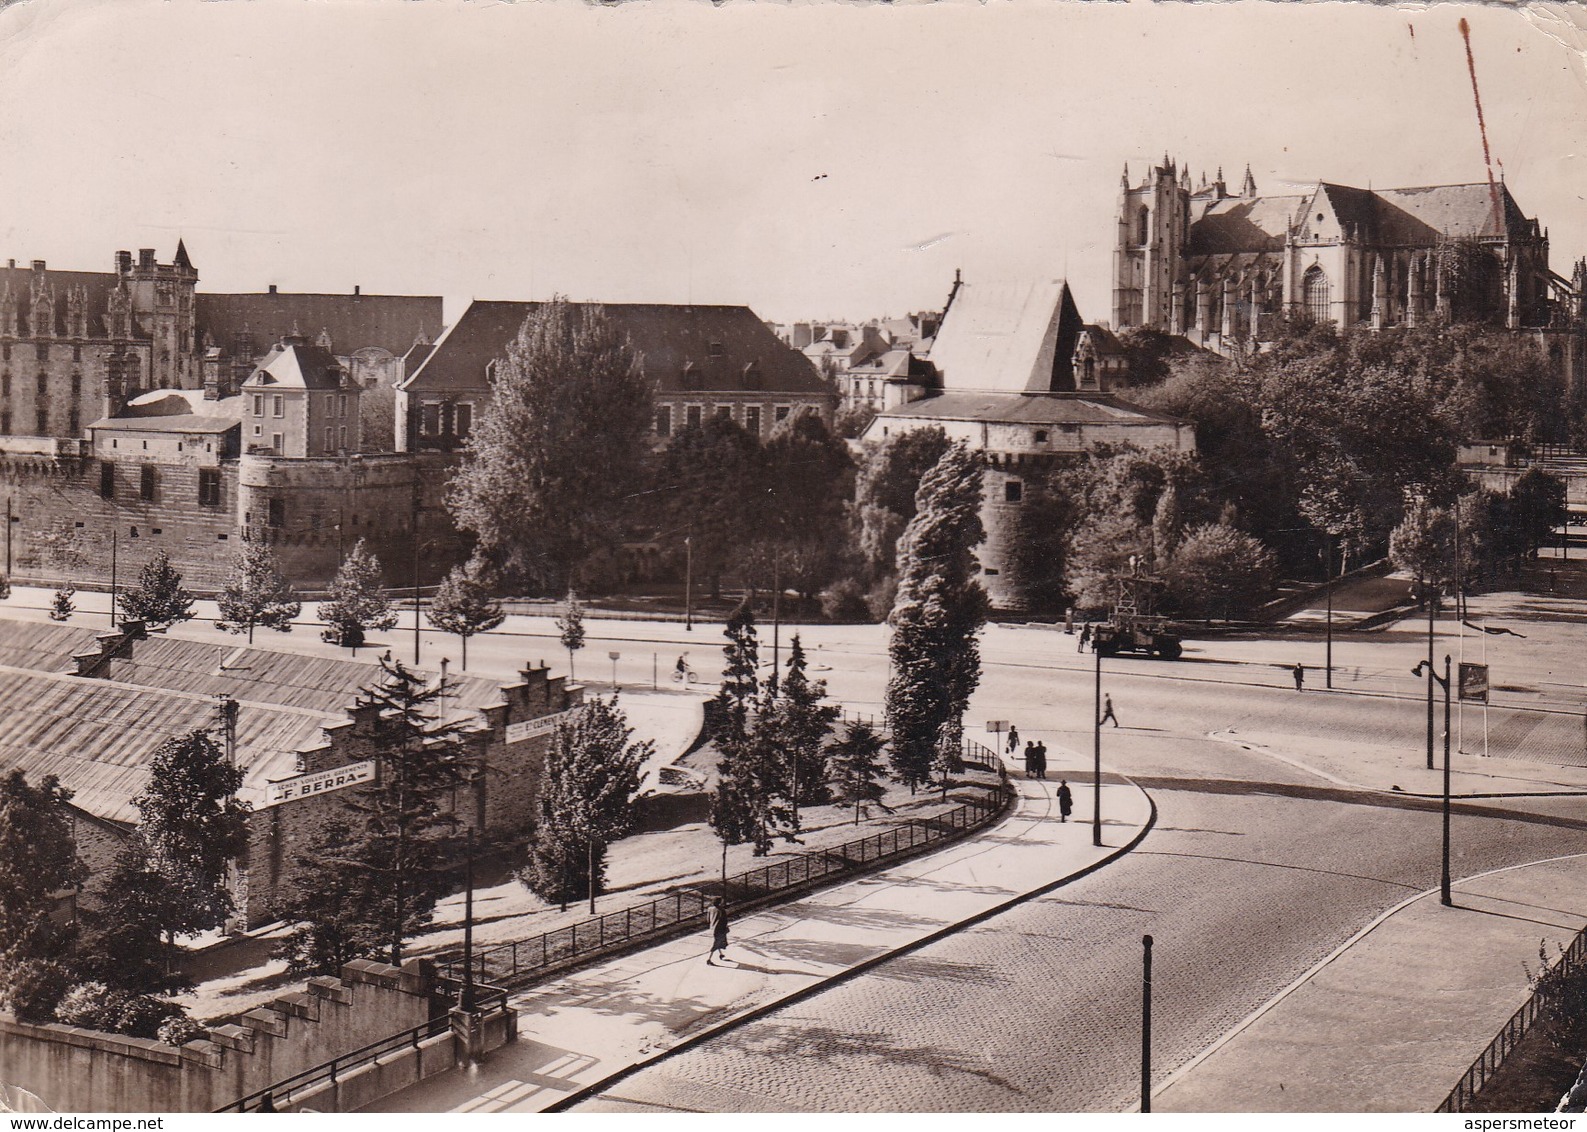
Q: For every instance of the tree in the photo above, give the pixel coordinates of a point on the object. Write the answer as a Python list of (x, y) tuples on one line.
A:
[(586, 802), (856, 766), (1217, 569), (940, 610), (256, 594), (1423, 545), (805, 476), (570, 623), (701, 479), (884, 495), (127, 943), (550, 469), (1537, 502), (356, 602), (61, 605), (800, 725), (394, 843), (740, 682), (38, 858), (463, 604), (193, 826), (753, 782), (159, 599), (5, 587)]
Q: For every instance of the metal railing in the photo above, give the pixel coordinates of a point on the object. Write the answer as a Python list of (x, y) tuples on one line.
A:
[(1487, 1064), (280, 1094), (522, 962)]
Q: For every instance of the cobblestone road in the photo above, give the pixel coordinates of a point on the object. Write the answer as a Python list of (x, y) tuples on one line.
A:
[(1254, 872)]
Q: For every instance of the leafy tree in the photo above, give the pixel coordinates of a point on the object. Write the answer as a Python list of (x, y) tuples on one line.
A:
[(394, 846), (159, 599), (1217, 569), (1038, 547), (587, 802), (806, 473), (549, 471), (570, 623), (256, 594), (1537, 502), (852, 420), (940, 610), (61, 605), (702, 476), (463, 604), (193, 826), (884, 495), (1423, 545), (5, 587), (127, 943), (753, 784), (855, 762), (356, 602), (800, 724), (38, 858), (96, 1006)]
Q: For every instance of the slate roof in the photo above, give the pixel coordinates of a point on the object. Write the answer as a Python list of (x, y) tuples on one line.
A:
[(45, 647), (1029, 408), (665, 336), (1236, 225), (1412, 215), (185, 423), (298, 367), (1008, 338), (390, 322), (99, 284)]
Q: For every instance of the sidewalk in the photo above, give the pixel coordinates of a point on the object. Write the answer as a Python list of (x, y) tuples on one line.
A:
[(618, 1015)]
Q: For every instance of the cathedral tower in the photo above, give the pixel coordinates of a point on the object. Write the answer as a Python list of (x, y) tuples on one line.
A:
[(1153, 221)]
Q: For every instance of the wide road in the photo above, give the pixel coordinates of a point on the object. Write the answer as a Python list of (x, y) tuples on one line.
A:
[(1254, 871)]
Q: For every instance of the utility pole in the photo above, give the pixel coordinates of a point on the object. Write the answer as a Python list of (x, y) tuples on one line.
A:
[(1146, 1023), (1444, 895), (10, 519), (688, 582), (465, 997), (1429, 595), (1328, 572), (414, 530), (1096, 750), (114, 531)]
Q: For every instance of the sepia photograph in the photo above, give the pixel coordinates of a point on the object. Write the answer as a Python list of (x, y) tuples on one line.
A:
[(788, 556)]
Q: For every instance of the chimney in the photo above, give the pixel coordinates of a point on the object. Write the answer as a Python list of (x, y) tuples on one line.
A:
[(123, 263), (272, 288), (356, 290), (11, 263), (38, 265), (146, 259)]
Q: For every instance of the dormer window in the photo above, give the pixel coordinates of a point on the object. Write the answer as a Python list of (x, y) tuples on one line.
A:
[(691, 376), (716, 349), (1041, 436), (752, 376)]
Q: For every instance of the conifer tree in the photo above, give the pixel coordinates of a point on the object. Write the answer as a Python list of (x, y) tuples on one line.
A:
[(356, 602), (61, 605), (753, 784), (587, 802), (159, 599), (394, 844), (463, 604), (937, 615), (256, 594), (855, 763), (801, 723), (570, 622), (5, 587)]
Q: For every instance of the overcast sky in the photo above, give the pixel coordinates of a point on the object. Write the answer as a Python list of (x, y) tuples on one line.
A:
[(809, 160)]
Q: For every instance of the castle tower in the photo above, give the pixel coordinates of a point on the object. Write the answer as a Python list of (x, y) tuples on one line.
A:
[(1248, 186), (41, 303), (162, 301), (8, 312), (1151, 239)]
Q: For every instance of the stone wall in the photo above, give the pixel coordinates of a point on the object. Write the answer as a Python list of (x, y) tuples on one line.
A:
[(76, 1070)]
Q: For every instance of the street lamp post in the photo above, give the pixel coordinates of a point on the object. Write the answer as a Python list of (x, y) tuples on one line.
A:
[(465, 999), (688, 583), (1096, 750), (1444, 895), (1430, 595), (1328, 572), (1146, 1023), (414, 530)]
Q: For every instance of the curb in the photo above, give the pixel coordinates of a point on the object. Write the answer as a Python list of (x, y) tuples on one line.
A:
[(620, 1075), (1311, 972)]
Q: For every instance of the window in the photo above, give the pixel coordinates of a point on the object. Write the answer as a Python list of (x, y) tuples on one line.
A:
[(693, 416), (463, 419), (330, 404), (1143, 225), (752, 419), (43, 422), (74, 421), (780, 414), (146, 483), (1041, 436), (133, 532), (5, 351), (258, 404), (5, 423), (1088, 379), (5, 384), (330, 439), (1314, 286), (258, 430), (77, 352), (716, 349), (341, 404), (664, 421), (277, 516), (209, 487), (77, 384), (43, 384), (156, 530), (278, 406), (43, 351), (430, 418), (107, 481), (275, 442), (341, 437), (1013, 491), (724, 412)]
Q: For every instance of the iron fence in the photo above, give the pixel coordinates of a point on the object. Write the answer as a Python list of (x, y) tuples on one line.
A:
[(1487, 1064), (522, 962)]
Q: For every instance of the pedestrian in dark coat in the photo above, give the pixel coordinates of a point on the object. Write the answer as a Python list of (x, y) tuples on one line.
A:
[(1066, 800), (1299, 672), (1030, 758), (1041, 760), (1085, 638), (1013, 738), (716, 918), (1107, 712)]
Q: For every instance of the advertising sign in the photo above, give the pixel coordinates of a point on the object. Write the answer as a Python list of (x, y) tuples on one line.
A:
[(320, 782), (530, 728), (1474, 682)]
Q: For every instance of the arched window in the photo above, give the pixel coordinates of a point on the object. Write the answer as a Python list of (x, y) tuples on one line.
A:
[(1143, 226), (1314, 286)]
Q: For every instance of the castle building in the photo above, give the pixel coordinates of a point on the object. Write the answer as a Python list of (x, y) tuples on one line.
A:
[(1221, 267)]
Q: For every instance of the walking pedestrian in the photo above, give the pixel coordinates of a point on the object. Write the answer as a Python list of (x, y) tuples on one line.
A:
[(1041, 760), (1107, 712), (1013, 738), (1299, 672), (1030, 758), (1066, 800), (1085, 638), (716, 918)]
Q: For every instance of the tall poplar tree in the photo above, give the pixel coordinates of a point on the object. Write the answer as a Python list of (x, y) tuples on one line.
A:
[(548, 473), (937, 616)]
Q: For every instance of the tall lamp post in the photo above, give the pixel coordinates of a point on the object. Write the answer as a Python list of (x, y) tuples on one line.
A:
[(1096, 750), (1444, 896), (688, 582), (1328, 586), (1432, 597)]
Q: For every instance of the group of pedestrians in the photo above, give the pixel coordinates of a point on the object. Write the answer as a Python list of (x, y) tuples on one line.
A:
[(1036, 760)]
